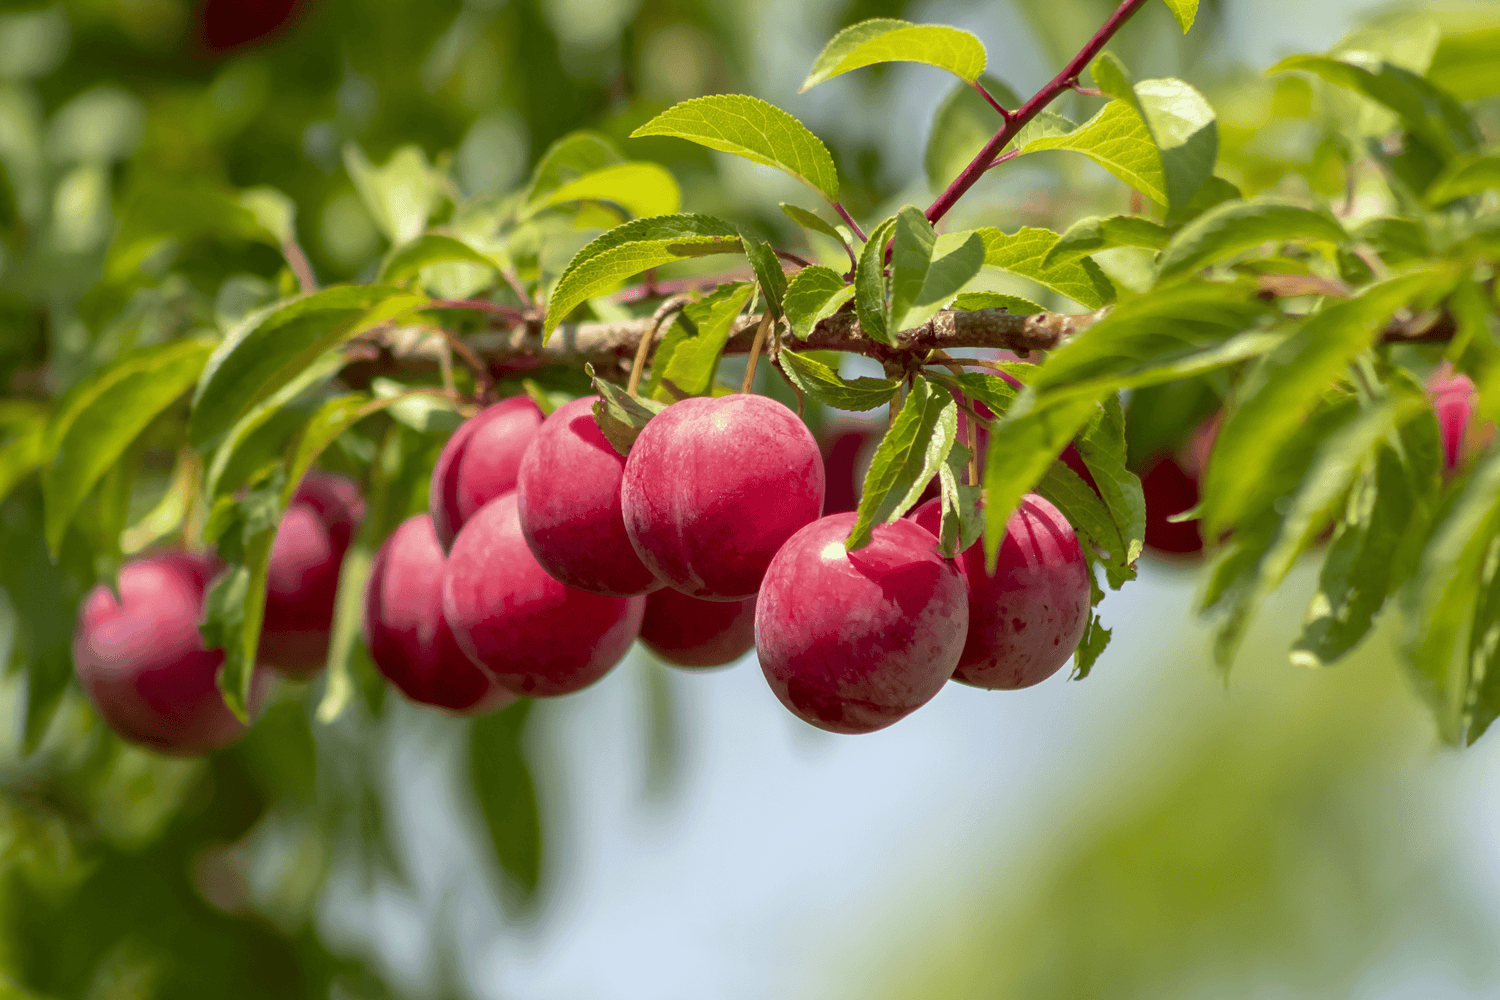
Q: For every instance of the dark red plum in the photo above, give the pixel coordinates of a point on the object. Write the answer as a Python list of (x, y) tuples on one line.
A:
[(1025, 621), (713, 487), (479, 463), (143, 663), (687, 632), (406, 633), (303, 580), (534, 635), (853, 641), (568, 495)]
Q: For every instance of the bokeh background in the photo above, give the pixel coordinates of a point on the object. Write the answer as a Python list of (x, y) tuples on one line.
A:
[(1152, 831)]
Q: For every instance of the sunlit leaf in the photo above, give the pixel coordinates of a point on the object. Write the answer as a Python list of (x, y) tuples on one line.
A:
[(814, 294), (824, 384), (404, 263), (870, 285), (922, 281), (752, 128), (1237, 226), (628, 250), (1024, 252), (686, 359), (883, 39), (1087, 236), (401, 195), (642, 189), (1185, 11), (909, 456)]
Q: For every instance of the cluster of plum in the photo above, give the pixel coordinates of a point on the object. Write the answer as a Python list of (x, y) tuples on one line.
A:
[(546, 554)]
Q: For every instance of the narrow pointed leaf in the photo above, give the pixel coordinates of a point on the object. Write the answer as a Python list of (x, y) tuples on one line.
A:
[(908, 457), (686, 359), (1237, 226), (815, 223), (923, 282), (870, 285), (1091, 235), (105, 415), (641, 188), (271, 350)]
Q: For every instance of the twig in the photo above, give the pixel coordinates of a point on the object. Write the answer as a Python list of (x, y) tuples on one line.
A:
[(514, 281), (785, 255), (983, 92), (297, 260), (849, 220), (1015, 122), (481, 305)]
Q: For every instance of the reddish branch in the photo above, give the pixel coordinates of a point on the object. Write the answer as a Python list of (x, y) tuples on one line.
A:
[(1015, 121)]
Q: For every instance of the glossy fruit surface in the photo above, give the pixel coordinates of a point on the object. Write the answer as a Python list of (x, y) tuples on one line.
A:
[(406, 633), (479, 463), (303, 579), (535, 636), (687, 632), (853, 641), (143, 664), (712, 489), (1026, 619), (568, 496)]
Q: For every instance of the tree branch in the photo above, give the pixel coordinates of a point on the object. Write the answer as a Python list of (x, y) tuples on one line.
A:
[(1064, 81)]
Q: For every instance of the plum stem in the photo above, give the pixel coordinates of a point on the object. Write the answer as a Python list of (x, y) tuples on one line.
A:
[(756, 347), (667, 308)]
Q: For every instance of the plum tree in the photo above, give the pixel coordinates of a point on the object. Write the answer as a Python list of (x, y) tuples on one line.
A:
[(568, 496), (853, 641), (303, 577), (687, 632), (534, 635), (713, 487), (480, 462), (406, 633), (1026, 618), (143, 662)]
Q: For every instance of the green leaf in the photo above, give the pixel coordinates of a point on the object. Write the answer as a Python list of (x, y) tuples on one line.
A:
[(621, 417), (1024, 253), (628, 250), (1464, 63), (961, 126), (813, 222), (1014, 304), (869, 284), (814, 294), (430, 248), (425, 409), (1093, 234), (400, 195), (506, 794), (348, 612), (271, 350), (922, 282), (823, 383), (1102, 448), (642, 189), (768, 273), (1464, 176), (1356, 573), (1279, 393), (1118, 140), (1185, 11), (1066, 490), (991, 390), (686, 359), (962, 519), (1157, 337), (910, 454), (1444, 592), (884, 39), (575, 155), (23, 453), (102, 416), (749, 127), (1425, 111), (1095, 639), (1483, 701), (275, 212), (1023, 446), (1236, 226), (260, 437)]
